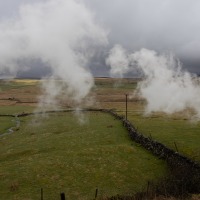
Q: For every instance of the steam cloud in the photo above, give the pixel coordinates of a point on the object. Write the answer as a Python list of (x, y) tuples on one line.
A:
[(61, 34), (118, 60), (166, 86)]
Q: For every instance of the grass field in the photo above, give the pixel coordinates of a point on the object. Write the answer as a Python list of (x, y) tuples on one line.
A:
[(59, 154), (175, 133)]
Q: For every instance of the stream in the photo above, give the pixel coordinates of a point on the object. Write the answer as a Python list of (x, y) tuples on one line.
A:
[(13, 128)]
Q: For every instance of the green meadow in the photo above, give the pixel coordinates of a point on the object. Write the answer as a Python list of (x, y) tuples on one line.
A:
[(59, 154), (76, 153)]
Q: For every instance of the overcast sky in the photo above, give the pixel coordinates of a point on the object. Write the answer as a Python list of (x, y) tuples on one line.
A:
[(160, 25)]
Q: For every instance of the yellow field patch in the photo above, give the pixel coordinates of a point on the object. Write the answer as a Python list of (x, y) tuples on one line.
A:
[(26, 81)]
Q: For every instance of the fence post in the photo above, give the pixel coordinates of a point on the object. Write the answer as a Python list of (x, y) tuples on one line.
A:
[(176, 146), (62, 195), (41, 193), (126, 105), (96, 193)]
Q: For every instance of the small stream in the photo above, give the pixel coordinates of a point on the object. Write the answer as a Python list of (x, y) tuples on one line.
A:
[(13, 128)]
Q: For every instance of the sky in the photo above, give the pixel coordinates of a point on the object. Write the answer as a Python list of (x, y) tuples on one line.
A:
[(162, 26)]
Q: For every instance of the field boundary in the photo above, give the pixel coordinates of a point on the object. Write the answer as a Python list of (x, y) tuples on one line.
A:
[(153, 146)]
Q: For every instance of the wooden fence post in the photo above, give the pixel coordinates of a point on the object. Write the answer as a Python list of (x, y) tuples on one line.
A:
[(126, 105), (62, 195), (96, 193), (41, 193), (176, 146)]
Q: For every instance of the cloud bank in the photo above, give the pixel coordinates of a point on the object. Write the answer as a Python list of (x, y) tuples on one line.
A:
[(166, 86), (153, 24), (62, 35)]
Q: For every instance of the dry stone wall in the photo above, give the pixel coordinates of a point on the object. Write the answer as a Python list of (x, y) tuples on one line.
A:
[(157, 148)]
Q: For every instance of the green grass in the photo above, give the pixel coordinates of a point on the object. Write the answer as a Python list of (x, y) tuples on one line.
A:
[(8, 85), (15, 109), (59, 154), (125, 84), (170, 131)]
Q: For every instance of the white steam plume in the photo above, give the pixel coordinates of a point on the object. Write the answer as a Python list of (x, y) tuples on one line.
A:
[(118, 61), (60, 33), (166, 87)]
